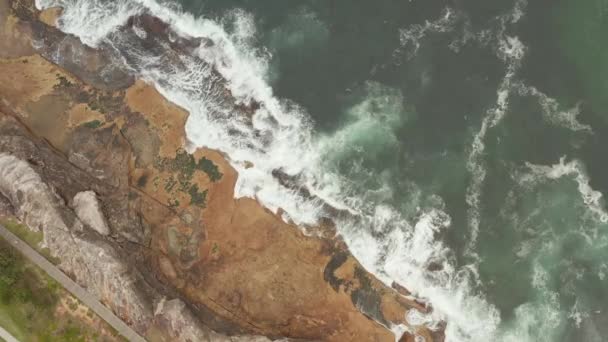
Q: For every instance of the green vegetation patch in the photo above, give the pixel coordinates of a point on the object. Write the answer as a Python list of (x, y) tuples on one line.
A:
[(170, 184), (173, 203), (29, 300), (27, 297), (32, 238), (20, 283), (210, 169), (105, 103), (185, 163), (92, 124), (63, 82), (197, 197)]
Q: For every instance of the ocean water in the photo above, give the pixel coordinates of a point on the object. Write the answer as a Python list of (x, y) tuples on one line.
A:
[(459, 146)]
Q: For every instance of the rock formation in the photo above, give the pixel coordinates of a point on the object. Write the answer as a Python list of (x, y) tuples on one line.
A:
[(97, 162), (87, 208)]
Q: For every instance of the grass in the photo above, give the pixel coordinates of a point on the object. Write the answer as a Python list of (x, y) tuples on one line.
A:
[(28, 302), (32, 238), (9, 325), (27, 297)]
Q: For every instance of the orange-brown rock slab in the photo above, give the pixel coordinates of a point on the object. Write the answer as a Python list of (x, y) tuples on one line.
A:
[(14, 38), (246, 265), (145, 99), (229, 255), (50, 15)]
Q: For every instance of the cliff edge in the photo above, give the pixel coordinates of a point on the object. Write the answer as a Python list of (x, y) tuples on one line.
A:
[(96, 161)]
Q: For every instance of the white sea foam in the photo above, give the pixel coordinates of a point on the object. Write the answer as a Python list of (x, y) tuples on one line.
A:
[(540, 319), (551, 109), (410, 37), (279, 136), (511, 51), (91, 21), (556, 272), (593, 199), (577, 315), (141, 33), (536, 321), (399, 330)]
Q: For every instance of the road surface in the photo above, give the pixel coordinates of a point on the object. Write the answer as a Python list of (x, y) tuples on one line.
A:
[(6, 336), (80, 293)]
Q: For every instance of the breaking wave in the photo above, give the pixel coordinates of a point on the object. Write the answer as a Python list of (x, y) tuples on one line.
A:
[(557, 299), (302, 174)]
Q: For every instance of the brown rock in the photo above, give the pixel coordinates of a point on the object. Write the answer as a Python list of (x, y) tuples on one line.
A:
[(239, 267), (50, 16), (402, 290), (15, 40)]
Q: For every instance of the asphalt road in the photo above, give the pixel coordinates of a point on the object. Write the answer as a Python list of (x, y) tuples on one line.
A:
[(80, 293)]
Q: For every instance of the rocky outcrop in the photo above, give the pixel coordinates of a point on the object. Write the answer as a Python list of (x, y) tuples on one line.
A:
[(153, 230), (178, 319), (94, 264), (87, 208), (90, 260)]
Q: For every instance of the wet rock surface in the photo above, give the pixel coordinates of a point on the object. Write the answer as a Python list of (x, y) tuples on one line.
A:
[(151, 229)]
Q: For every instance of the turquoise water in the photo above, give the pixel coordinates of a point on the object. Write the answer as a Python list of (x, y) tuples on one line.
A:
[(465, 140), (402, 112)]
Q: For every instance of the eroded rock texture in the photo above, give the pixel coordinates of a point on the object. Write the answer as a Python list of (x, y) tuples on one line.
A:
[(98, 164)]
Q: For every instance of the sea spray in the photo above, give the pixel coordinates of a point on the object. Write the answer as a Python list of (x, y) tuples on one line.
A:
[(552, 112), (411, 37), (511, 51), (396, 245), (593, 199), (555, 304)]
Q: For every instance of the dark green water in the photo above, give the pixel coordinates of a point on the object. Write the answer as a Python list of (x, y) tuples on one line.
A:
[(467, 136), (408, 112)]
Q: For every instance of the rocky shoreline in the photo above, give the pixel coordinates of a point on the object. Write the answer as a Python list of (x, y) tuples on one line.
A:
[(162, 240)]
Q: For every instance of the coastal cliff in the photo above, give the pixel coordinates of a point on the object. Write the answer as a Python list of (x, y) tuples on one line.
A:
[(99, 163)]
